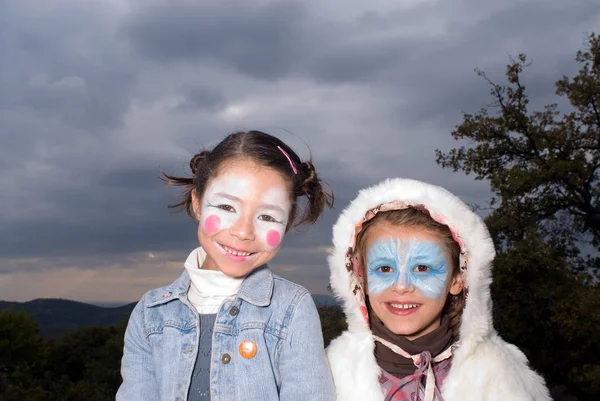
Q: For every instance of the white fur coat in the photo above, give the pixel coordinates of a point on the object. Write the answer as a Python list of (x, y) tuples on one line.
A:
[(484, 367)]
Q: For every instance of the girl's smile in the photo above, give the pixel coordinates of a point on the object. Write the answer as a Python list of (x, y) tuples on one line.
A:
[(402, 308), (234, 254)]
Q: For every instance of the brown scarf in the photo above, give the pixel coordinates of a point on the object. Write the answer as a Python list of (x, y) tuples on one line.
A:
[(434, 342)]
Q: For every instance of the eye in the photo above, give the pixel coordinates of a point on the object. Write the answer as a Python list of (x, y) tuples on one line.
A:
[(267, 218), (227, 208), (421, 269), (385, 269)]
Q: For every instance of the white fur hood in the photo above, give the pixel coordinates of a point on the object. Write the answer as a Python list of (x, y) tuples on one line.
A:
[(445, 208), (482, 356)]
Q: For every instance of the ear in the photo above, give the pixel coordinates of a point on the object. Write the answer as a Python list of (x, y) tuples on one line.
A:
[(358, 268), (457, 284), (195, 205)]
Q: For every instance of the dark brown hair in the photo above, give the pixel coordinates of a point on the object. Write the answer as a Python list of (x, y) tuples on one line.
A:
[(411, 217), (263, 149)]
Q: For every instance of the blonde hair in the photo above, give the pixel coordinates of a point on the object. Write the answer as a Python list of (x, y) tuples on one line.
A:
[(411, 217)]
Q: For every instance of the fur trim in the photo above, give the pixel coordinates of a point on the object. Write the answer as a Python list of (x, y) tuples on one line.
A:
[(477, 316), (354, 368)]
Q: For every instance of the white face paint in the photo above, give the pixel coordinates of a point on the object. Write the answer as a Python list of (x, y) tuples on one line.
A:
[(230, 197), (221, 205), (272, 216)]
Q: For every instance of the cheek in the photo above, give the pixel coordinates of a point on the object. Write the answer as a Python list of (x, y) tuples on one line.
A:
[(433, 286), (212, 224), (273, 238), (376, 302), (378, 283)]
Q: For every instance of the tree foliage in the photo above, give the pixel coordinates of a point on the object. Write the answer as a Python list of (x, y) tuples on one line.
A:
[(333, 322), (543, 171), (83, 364), (540, 164), (20, 344)]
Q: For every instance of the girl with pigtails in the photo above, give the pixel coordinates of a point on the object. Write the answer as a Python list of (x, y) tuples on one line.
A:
[(228, 328)]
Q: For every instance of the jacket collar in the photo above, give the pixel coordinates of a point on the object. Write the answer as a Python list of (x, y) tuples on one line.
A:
[(257, 288)]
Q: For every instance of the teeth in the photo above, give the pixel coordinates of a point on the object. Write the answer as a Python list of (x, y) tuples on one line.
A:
[(404, 306), (236, 253)]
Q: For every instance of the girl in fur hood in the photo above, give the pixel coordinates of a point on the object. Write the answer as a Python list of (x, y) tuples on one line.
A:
[(412, 265)]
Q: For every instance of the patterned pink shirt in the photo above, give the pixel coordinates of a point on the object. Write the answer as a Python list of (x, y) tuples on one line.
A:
[(411, 388)]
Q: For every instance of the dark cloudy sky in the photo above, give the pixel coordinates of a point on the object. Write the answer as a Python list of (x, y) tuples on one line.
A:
[(97, 96)]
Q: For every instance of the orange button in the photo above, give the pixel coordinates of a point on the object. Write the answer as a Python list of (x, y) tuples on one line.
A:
[(248, 349)]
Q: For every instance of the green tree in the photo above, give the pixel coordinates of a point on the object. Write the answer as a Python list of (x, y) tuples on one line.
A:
[(540, 164), (20, 343), (22, 354), (546, 309), (543, 171), (87, 360), (333, 322)]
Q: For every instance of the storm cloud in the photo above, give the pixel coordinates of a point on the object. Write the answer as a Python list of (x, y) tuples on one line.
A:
[(97, 97)]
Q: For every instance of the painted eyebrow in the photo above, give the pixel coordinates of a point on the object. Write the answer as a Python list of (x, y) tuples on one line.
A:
[(228, 196), (236, 199), (380, 259), (273, 207)]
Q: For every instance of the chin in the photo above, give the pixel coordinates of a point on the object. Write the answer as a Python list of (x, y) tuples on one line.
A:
[(404, 330), (236, 271)]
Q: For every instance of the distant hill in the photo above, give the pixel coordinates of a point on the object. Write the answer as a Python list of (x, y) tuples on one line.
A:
[(57, 316)]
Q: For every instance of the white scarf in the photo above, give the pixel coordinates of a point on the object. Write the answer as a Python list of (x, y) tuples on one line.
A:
[(209, 288)]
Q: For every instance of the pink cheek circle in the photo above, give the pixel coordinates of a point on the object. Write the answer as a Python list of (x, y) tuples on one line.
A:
[(212, 223), (273, 238)]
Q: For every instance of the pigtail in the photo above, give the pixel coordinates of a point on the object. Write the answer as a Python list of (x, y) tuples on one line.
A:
[(312, 188), (200, 173)]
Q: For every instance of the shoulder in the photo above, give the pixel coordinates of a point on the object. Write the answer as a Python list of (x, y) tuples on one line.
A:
[(167, 293), (494, 370), (353, 352), (344, 346), (353, 366), (163, 304), (288, 292), (280, 302), (287, 285)]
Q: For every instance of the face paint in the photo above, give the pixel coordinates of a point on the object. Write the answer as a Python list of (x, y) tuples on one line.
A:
[(227, 197), (212, 223), (221, 203), (273, 238), (393, 262), (272, 216)]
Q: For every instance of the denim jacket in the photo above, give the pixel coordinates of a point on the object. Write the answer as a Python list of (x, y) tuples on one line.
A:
[(280, 317)]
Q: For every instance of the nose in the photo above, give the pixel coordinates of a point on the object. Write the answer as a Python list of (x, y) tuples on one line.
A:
[(243, 229), (404, 284)]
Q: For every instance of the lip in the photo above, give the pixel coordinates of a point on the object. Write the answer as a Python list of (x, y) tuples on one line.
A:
[(402, 312), (235, 258)]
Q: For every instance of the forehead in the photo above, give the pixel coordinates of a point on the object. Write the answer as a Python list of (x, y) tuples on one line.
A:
[(247, 178), (384, 230)]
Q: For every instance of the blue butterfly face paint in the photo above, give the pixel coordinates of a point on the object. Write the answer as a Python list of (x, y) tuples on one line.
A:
[(393, 262)]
